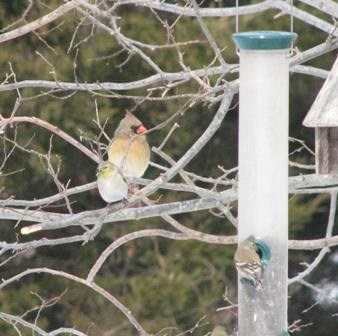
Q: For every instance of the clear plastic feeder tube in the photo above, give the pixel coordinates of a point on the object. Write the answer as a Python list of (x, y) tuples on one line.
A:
[(263, 174)]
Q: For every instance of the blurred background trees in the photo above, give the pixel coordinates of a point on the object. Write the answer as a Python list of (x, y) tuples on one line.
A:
[(169, 285)]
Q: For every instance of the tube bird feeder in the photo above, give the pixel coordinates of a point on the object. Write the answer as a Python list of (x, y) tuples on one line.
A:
[(263, 174)]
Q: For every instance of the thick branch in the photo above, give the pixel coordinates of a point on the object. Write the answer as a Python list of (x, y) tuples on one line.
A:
[(313, 244), (163, 78), (48, 200), (328, 6), (51, 128), (204, 12), (242, 10), (32, 26), (314, 52), (18, 320), (309, 70), (305, 17), (52, 221), (297, 185), (124, 310), (127, 238), (169, 78)]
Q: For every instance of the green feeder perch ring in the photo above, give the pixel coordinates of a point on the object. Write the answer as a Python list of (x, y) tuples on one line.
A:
[(265, 251), (285, 333)]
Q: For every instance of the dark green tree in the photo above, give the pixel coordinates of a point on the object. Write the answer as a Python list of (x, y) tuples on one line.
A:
[(168, 67)]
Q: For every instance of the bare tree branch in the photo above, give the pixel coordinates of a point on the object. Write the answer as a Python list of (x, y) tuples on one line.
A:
[(12, 319), (242, 10), (124, 310), (207, 85), (325, 249), (328, 6), (32, 26), (8, 121)]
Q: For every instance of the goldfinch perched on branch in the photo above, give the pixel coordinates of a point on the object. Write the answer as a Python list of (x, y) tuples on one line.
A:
[(248, 263), (110, 182)]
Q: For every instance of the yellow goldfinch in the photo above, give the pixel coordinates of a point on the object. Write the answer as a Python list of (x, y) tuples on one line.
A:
[(219, 331), (248, 263), (129, 148), (110, 182)]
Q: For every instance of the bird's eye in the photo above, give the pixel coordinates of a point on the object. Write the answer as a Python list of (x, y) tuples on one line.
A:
[(259, 251), (134, 128)]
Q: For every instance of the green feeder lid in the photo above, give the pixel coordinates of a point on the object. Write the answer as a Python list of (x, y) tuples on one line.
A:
[(285, 333), (264, 40)]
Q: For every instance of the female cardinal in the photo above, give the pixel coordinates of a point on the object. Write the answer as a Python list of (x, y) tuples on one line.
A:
[(129, 148)]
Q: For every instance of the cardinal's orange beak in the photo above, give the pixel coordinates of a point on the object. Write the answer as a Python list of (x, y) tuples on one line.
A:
[(141, 129)]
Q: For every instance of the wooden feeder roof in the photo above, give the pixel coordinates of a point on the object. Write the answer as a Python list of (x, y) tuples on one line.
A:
[(324, 111)]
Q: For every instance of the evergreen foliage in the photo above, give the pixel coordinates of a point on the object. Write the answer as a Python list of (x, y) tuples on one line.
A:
[(166, 284)]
